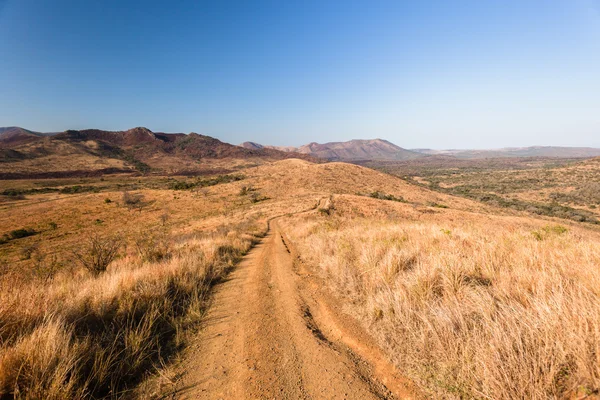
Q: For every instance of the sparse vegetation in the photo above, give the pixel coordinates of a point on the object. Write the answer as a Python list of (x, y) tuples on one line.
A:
[(200, 183), (549, 187), (383, 196), (245, 190)]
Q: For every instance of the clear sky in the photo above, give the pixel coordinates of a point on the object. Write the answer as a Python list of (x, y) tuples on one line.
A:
[(437, 74)]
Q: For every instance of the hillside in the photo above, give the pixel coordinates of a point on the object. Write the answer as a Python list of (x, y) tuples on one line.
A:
[(25, 153), (374, 149), (533, 151), (354, 268)]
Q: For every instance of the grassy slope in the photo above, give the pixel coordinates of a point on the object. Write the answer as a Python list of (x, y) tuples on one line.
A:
[(468, 305), (434, 284)]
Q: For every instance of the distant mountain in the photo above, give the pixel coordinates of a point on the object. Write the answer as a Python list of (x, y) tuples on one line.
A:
[(353, 150), (15, 134), (25, 153), (252, 146), (533, 151)]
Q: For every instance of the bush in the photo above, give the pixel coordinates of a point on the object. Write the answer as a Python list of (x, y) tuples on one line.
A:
[(383, 196), (79, 189), (98, 252), (133, 200), (21, 233), (255, 197), (244, 190), (436, 205), (180, 185)]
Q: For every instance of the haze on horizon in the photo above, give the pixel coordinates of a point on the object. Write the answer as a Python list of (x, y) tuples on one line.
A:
[(431, 74)]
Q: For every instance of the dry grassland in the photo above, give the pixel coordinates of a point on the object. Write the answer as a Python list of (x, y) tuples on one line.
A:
[(467, 302), (66, 332), (469, 305)]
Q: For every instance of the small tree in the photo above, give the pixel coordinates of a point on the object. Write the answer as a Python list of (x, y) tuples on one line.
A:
[(133, 200), (98, 252)]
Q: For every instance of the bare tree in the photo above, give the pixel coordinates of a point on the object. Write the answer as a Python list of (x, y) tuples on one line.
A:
[(98, 252)]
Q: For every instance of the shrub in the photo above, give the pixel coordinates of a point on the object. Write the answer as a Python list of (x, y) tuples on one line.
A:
[(21, 233), (133, 200), (436, 205), (180, 185), (383, 196), (244, 190), (255, 197), (79, 189), (98, 252)]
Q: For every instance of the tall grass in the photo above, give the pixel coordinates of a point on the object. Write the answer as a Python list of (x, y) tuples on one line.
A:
[(87, 335), (470, 307)]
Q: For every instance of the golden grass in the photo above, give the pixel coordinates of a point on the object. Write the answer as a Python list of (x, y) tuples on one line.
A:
[(468, 303), (65, 333), (470, 306), (85, 335)]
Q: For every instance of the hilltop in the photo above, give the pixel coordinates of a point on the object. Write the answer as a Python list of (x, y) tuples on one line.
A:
[(353, 150)]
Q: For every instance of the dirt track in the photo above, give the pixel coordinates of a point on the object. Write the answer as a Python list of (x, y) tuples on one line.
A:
[(273, 332)]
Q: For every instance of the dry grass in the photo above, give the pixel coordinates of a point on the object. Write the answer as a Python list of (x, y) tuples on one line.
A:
[(68, 333), (98, 335), (470, 306)]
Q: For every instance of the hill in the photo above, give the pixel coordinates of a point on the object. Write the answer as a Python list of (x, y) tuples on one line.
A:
[(533, 151), (373, 149), (430, 288), (25, 153)]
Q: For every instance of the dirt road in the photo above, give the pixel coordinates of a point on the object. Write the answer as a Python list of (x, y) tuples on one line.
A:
[(272, 332)]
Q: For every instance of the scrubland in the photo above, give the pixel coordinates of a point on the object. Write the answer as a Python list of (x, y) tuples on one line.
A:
[(568, 189), (468, 305)]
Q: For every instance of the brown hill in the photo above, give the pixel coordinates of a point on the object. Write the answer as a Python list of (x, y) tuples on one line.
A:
[(353, 150), (72, 153), (14, 134)]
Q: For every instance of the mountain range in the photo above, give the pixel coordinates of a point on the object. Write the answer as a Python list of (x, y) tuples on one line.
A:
[(25, 153), (383, 150), (353, 150), (532, 151)]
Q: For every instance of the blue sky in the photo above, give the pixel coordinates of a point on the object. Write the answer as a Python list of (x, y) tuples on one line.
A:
[(437, 74)]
